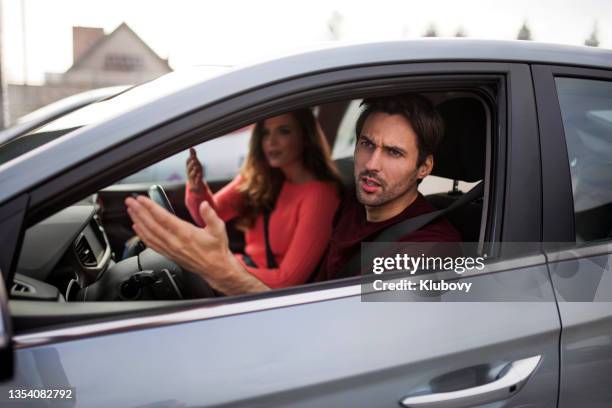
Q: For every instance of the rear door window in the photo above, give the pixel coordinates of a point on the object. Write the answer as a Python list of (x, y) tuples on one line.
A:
[(586, 109)]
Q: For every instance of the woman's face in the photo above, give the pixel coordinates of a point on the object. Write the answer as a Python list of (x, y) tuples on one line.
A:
[(282, 141)]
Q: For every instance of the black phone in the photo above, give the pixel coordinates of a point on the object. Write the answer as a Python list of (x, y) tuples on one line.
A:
[(158, 195)]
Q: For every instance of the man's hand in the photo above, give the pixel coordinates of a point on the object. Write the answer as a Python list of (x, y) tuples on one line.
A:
[(195, 173), (201, 250)]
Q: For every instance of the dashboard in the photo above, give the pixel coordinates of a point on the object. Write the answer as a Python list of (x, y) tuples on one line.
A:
[(69, 248)]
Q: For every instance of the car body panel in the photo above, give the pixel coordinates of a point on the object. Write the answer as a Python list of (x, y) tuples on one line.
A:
[(583, 287), (338, 352), (580, 272)]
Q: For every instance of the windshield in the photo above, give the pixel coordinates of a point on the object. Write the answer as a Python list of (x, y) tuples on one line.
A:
[(100, 111), (68, 104)]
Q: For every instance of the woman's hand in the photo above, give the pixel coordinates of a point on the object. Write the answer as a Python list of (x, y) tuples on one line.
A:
[(195, 173)]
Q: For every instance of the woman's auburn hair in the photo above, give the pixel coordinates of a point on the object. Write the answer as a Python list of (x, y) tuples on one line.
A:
[(261, 184)]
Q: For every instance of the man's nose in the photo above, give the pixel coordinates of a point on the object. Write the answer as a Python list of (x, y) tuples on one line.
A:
[(374, 161)]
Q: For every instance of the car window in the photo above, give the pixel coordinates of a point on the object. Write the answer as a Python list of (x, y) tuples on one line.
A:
[(345, 139), (102, 110), (586, 109), (435, 185), (94, 241), (220, 157)]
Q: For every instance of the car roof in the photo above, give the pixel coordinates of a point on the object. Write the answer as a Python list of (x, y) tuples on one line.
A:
[(173, 95)]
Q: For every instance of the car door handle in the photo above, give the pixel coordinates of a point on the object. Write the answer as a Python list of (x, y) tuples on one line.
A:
[(512, 379)]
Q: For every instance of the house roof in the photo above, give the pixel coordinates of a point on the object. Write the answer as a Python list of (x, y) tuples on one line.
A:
[(98, 44)]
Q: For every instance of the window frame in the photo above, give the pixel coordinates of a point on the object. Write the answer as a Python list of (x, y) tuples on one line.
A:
[(514, 82), (558, 198)]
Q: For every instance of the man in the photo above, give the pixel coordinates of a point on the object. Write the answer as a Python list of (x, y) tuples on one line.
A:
[(396, 139)]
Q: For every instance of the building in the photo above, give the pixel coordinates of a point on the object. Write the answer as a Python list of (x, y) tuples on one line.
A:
[(100, 60)]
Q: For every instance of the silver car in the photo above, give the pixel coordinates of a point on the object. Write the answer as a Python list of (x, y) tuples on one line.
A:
[(531, 121)]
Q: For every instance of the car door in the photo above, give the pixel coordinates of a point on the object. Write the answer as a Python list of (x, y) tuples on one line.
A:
[(6, 332), (575, 105), (322, 344), (11, 220)]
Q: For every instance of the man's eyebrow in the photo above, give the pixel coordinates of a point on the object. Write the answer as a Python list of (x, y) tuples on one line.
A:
[(362, 136), (391, 147), (386, 147)]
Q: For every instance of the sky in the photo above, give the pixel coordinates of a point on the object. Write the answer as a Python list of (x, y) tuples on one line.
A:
[(229, 32)]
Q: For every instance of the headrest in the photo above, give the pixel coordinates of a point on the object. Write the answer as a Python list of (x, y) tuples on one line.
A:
[(461, 155)]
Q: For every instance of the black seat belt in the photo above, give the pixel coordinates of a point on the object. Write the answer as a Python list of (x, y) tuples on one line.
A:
[(403, 228), (270, 260), (395, 232), (269, 255)]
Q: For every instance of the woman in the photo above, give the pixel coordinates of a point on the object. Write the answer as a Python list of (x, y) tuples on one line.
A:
[(289, 179)]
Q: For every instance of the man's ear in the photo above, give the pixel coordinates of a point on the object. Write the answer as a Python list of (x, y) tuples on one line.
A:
[(425, 169)]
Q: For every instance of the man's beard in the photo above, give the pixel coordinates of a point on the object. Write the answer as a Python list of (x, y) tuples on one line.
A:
[(388, 193)]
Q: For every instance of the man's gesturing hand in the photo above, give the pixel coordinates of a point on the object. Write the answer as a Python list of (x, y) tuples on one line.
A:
[(201, 250)]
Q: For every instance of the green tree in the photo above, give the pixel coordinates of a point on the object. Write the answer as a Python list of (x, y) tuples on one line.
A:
[(460, 32), (593, 40), (431, 31), (524, 33)]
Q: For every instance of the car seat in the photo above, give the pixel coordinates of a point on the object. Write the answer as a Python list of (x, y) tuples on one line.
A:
[(461, 157)]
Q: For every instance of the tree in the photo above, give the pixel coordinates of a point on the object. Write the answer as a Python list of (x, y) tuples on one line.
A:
[(524, 33), (460, 32), (334, 24), (593, 40), (431, 31)]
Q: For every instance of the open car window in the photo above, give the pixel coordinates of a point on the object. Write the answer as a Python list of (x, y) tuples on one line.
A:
[(222, 158), (77, 246)]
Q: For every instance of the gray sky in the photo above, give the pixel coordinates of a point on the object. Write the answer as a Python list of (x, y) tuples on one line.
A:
[(192, 32)]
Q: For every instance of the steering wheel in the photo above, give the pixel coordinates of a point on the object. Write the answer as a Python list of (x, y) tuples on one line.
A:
[(146, 276), (158, 195)]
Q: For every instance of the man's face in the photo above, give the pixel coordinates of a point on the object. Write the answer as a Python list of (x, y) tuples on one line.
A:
[(386, 156)]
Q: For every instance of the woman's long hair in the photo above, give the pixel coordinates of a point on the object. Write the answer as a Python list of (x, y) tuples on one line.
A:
[(261, 184)]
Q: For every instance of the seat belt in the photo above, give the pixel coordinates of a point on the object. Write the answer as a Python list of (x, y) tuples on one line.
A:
[(269, 255), (403, 228), (395, 232), (270, 260)]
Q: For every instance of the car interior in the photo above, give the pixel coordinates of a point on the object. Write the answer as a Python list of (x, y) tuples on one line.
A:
[(64, 255)]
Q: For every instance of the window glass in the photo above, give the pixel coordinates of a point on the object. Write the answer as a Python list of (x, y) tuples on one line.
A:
[(586, 108), (345, 139), (221, 158), (103, 110)]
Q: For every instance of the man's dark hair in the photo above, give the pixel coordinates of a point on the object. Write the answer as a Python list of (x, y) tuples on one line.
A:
[(423, 117)]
